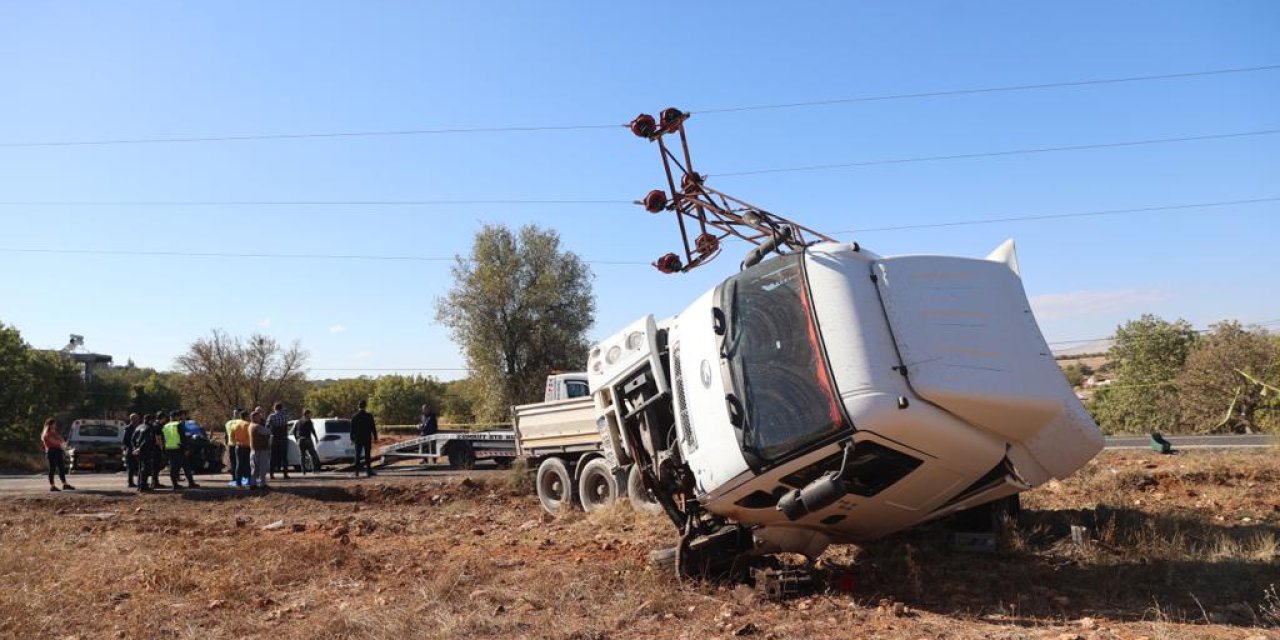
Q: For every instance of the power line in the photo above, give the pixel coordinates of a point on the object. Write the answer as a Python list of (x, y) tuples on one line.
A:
[(1057, 216), (281, 256), (412, 258), (388, 369), (293, 203), (581, 201), (992, 154), (1017, 87), (603, 126)]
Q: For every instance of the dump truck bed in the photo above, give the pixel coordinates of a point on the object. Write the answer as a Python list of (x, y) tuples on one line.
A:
[(560, 426)]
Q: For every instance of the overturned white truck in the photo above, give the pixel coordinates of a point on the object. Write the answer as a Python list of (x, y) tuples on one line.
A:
[(834, 395)]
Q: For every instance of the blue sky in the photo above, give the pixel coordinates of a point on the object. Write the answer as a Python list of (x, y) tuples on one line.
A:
[(128, 70)]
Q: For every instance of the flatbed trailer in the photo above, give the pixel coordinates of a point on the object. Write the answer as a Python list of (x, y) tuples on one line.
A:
[(461, 448)]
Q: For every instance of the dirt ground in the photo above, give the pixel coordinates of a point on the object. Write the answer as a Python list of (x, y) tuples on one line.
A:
[(1176, 547)]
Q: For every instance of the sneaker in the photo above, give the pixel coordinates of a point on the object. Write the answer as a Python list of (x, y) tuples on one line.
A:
[(53, 488), (67, 487)]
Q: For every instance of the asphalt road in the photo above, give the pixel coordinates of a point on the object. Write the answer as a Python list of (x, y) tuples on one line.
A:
[(1194, 442), (114, 483)]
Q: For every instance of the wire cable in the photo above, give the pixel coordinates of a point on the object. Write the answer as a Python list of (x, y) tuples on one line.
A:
[(992, 154), (293, 203), (279, 256), (1059, 216), (602, 126)]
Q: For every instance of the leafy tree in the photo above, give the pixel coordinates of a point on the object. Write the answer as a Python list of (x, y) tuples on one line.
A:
[(118, 391), (460, 400), (34, 385), (520, 308), (1147, 356), (1076, 373), (338, 397), (224, 372), (1224, 385), (398, 399)]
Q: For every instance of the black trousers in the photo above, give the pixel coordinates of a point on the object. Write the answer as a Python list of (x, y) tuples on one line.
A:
[(307, 449), (178, 464), (131, 464), (233, 462), (57, 463), (279, 456), (363, 452)]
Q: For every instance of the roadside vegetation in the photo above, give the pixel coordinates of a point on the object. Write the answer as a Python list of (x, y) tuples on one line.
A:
[(1179, 547)]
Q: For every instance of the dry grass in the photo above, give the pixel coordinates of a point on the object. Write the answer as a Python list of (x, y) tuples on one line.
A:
[(1171, 555)]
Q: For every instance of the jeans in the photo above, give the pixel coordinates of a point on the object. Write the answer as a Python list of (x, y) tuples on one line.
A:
[(363, 451), (261, 466), (280, 455), (233, 462), (244, 464), (57, 463)]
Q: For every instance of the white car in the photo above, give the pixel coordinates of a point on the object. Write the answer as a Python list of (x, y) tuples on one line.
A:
[(333, 443)]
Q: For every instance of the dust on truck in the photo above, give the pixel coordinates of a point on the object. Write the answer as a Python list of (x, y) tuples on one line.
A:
[(833, 395)]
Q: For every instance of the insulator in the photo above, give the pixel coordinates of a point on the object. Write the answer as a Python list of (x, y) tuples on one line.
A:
[(671, 118), (655, 201), (669, 263), (707, 244), (691, 182), (644, 126)]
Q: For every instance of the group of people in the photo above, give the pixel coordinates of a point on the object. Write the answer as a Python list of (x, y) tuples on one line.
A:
[(257, 446), (150, 442)]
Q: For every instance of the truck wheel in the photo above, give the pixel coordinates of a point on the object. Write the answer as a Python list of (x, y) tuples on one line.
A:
[(555, 486), (640, 497), (596, 485), (461, 455)]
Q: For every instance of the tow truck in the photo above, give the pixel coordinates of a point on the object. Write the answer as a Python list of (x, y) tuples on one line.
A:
[(825, 393)]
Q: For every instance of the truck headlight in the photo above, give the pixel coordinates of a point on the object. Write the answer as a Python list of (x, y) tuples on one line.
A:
[(635, 340)]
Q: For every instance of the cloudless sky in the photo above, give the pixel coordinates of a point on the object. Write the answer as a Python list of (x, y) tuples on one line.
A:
[(131, 70)]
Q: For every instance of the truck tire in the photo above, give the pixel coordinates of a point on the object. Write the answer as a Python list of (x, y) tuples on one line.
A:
[(555, 486), (640, 498), (461, 455), (597, 486)]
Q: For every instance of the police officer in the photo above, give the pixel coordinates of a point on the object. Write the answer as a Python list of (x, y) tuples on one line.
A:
[(131, 453), (175, 446)]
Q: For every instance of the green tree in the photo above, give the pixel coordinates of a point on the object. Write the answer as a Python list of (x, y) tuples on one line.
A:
[(519, 308), (34, 385), (1224, 385), (223, 372), (460, 400), (1147, 356), (338, 397), (398, 399)]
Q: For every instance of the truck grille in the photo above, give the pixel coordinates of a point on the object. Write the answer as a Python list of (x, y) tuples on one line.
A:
[(686, 429)]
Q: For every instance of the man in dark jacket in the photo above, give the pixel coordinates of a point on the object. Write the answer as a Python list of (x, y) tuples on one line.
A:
[(130, 453), (304, 431), (278, 422), (363, 434), (147, 444), (427, 424)]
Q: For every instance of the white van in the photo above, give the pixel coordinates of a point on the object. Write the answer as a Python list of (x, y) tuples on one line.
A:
[(333, 442)]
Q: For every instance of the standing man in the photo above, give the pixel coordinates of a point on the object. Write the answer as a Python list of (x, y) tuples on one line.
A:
[(427, 421), (363, 434), (231, 448), (130, 453), (147, 442), (305, 431), (278, 422), (243, 441), (175, 448), (260, 443)]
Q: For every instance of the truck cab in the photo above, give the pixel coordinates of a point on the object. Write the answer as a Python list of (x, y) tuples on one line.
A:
[(833, 395), (96, 444)]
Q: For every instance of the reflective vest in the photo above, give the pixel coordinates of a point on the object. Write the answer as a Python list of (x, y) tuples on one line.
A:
[(172, 435)]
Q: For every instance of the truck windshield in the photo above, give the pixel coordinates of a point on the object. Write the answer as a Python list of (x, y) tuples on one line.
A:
[(774, 354)]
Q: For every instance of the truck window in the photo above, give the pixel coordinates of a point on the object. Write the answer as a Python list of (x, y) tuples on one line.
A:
[(576, 389), (778, 369), (99, 431)]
